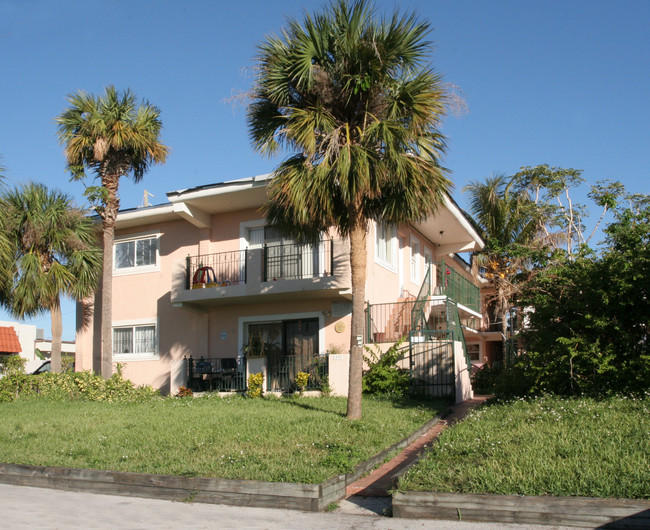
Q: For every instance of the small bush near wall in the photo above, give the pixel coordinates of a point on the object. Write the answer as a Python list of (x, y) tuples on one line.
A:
[(255, 383), (383, 375)]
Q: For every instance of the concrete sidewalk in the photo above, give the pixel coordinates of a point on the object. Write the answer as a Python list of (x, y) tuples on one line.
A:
[(23, 507)]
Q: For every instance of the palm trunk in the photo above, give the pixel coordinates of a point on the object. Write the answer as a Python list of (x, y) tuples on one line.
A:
[(503, 314), (106, 368), (57, 330), (358, 273), (110, 182)]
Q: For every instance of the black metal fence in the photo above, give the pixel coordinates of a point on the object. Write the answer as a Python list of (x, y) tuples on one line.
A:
[(282, 371), (221, 375)]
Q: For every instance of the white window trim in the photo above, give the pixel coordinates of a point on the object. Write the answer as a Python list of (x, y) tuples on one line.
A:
[(415, 273), (394, 250), (124, 357), (138, 270), (243, 231), (427, 252), (480, 351), (260, 319)]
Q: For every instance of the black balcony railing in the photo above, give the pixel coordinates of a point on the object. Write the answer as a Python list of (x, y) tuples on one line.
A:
[(216, 374), (292, 261), (216, 270)]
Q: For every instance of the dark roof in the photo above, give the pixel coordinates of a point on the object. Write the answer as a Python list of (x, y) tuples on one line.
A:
[(9, 342)]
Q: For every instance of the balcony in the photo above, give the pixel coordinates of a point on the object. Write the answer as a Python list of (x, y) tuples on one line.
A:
[(212, 270), (277, 271), (294, 261)]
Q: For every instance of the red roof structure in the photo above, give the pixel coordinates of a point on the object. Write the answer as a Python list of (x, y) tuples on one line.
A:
[(9, 342)]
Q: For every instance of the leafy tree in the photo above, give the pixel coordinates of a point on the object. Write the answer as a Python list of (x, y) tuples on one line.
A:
[(589, 328), (350, 95), (551, 188), (511, 225), (52, 252), (112, 137)]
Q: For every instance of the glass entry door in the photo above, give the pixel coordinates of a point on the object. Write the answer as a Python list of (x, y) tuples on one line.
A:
[(290, 346)]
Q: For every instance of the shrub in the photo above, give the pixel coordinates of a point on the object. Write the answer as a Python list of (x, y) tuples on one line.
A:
[(383, 375), (255, 382), (67, 363), (12, 364), (302, 378), (325, 388), (75, 385), (184, 392), (503, 382)]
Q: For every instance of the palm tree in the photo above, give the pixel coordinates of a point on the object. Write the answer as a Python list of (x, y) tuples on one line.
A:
[(112, 137), (52, 253), (5, 258), (349, 94), (511, 224)]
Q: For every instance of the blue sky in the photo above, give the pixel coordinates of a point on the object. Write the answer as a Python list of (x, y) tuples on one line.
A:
[(560, 82)]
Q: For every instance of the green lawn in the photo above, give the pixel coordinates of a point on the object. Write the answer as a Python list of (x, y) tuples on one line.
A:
[(304, 440), (548, 446)]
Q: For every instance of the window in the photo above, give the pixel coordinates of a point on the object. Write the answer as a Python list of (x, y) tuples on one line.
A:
[(385, 239), (134, 341), (136, 255), (428, 262), (474, 352), (415, 260)]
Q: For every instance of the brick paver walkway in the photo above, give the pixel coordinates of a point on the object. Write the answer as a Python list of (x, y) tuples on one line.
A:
[(377, 483)]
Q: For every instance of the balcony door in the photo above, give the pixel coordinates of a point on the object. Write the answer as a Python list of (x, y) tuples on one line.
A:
[(289, 346), (285, 257)]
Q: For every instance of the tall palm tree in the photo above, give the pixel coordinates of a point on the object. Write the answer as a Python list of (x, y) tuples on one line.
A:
[(511, 224), (52, 251), (349, 94), (111, 136)]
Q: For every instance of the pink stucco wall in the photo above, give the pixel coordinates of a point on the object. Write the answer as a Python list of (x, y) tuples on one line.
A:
[(202, 326)]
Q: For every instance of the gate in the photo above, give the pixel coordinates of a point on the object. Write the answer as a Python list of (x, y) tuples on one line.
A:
[(431, 360)]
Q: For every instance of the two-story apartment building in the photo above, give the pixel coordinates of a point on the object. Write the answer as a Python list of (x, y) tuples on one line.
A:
[(206, 292)]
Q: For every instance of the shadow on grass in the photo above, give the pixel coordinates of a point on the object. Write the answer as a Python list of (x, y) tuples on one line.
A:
[(303, 403), (308, 403)]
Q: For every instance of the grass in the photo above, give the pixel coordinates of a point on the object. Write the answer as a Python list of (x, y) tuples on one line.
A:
[(546, 446), (304, 440)]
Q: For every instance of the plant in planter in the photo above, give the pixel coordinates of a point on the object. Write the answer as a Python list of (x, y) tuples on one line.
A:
[(302, 378), (255, 384)]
